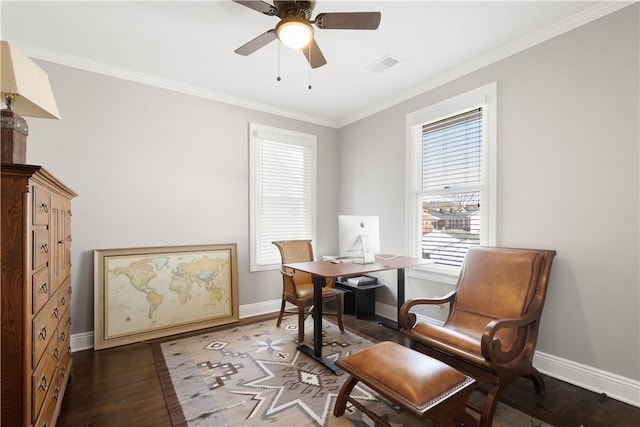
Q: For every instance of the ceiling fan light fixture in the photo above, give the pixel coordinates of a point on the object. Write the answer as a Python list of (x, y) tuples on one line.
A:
[(294, 33)]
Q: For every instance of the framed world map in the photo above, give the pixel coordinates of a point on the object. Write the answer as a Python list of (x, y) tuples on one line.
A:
[(148, 293)]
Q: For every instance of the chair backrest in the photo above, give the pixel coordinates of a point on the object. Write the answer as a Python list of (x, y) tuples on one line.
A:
[(295, 251), (501, 283)]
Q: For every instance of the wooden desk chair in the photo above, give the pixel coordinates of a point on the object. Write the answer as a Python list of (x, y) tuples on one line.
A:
[(297, 286), (492, 327)]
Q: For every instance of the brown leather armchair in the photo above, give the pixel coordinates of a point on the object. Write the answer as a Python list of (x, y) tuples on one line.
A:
[(492, 326), (298, 285)]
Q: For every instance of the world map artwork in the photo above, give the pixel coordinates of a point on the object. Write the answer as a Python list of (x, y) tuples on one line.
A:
[(155, 291)]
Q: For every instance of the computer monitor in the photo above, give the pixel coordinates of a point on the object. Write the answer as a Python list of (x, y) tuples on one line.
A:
[(359, 237)]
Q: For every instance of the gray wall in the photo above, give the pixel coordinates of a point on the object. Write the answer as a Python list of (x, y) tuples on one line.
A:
[(154, 167), (568, 161), (158, 168)]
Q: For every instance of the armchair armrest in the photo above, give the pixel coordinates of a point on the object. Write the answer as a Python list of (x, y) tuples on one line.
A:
[(491, 346), (286, 272), (407, 319), (289, 282)]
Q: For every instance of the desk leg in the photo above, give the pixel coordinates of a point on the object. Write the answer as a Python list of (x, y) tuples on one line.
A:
[(316, 352), (390, 324)]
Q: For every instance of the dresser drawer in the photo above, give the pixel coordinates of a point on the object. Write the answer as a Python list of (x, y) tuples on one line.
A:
[(64, 295), (49, 408), (44, 327), (40, 248), (64, 328), (41, 289), (44, 378), (41, 206), (64, 368)]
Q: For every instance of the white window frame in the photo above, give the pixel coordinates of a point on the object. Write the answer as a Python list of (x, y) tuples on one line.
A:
[(486, 98), (257, 242)]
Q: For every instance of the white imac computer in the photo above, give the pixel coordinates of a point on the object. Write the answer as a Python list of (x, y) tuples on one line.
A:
[(359, 237)]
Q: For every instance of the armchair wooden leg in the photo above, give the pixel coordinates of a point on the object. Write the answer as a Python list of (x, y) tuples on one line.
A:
[(538, 381), (489, 407), (281, 313)]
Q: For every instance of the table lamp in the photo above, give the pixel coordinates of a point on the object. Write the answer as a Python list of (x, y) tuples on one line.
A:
[(26, 90)]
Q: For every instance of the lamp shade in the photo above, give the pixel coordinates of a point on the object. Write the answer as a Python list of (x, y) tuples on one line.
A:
[(21, 77)]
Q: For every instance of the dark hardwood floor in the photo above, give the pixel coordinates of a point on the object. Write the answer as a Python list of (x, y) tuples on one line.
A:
[(120, 387)]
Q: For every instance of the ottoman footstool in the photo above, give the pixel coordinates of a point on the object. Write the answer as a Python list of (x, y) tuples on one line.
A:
[(418, 383)]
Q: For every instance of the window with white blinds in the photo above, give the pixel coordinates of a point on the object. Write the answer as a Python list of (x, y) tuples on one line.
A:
[(452, 145), (282, 193)]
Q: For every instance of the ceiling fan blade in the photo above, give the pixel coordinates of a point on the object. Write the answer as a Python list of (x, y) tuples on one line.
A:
[(255, 44), (313, 54), (348, 21), (258, 5)]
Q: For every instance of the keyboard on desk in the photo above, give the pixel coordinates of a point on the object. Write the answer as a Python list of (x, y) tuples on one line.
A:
[(351, 260)]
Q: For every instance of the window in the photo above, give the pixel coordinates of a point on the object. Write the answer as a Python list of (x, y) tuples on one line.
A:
[(282, 191), (451, 197)]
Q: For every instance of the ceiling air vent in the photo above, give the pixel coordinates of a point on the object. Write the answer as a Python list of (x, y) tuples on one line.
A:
[(384, 64)]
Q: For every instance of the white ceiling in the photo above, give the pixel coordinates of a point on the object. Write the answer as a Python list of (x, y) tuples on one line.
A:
[(189, 46)]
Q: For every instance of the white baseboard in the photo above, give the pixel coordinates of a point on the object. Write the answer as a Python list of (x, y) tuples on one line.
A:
[(81, 341), (84, 340), (257, 309), (593, 379)]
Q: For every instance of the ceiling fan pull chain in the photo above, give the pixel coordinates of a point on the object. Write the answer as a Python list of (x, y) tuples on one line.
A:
[(278, 61), (310, 67)]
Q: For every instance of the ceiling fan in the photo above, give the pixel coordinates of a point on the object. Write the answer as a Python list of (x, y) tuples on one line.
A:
[(294, 29)]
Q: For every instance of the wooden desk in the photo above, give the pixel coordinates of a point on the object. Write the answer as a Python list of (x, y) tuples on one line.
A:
[(323, 270)]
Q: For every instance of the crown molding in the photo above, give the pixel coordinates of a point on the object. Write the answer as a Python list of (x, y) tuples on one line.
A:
[(172, 85), (588, 15)]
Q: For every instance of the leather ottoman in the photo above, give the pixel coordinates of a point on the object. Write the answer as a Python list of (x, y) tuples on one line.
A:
[(420, 384)]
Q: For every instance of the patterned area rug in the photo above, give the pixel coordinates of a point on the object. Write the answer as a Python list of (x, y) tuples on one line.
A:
[(254, 376)]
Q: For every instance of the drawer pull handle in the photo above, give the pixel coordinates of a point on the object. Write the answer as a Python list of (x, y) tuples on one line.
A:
[(44, 207), (55, 312), (56, 393), (43, 383), (62, 336), (69, 320), (56, 354), (61, 242), (63, 301), (43, 333), (45, 248), (69, 238), (45, 287), (63, 371)]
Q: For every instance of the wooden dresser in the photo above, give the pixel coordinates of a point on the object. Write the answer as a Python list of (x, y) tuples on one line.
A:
[(36, 295)]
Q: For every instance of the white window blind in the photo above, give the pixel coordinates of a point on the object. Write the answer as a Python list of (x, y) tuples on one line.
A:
[(452, 151), (283, 169), (451, 183)]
